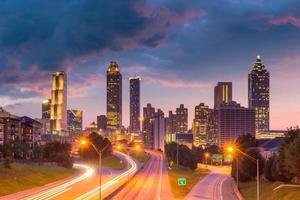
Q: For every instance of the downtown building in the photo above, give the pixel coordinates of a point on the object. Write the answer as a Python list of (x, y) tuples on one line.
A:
[(181, 120), (147, 135), (158, 130), (74, 121), (200, 124), (46, 116), (259, 95), (134, 104), (101, 123), (223, 94), (170, 122), (114, 97), (58, 112), (234, 121)]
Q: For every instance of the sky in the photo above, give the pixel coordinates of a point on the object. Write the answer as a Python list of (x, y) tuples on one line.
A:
[(181, 49)]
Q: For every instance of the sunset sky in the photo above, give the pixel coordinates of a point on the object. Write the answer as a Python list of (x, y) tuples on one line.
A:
[(181, 49)]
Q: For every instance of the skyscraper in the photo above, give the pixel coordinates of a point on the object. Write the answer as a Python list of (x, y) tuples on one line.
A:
[(134, 89), (223, 93), (234, 121), (170, 122), (74, 121), (148, 113), (181, 124), (259, 95), (46, 114), (200, 124), (114, 97), (58, 112), (158, 130)]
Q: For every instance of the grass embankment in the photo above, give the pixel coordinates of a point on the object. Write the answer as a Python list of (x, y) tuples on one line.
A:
[(192, 177), (248, 190), (21, 177), (113, 162), (141, 156)]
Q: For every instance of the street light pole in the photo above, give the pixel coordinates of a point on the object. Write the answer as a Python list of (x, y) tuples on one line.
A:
[(100, 173), (177, 155), (237, 171), (257, 185)]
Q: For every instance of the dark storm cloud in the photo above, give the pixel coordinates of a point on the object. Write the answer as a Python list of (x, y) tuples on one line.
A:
[(37, 37)]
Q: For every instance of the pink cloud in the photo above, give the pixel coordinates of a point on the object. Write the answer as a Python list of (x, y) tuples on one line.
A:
[(175, 83), (285, 20)]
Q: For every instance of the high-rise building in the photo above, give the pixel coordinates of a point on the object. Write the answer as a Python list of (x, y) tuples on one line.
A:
[(259, 95), (158, 130), (223, 93), (75, 121), (46, 115), (234, 121), (170, 122), (200, 124), (148, 113), (212, 127), (101, 123), (114, 97), (134, 89), (58, 112), (181, 124)]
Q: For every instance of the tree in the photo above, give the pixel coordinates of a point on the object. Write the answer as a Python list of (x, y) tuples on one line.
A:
[(247, 167), (246, 141), (268, 169), (88, 152), (279, 172), (59, 153), (292, 156)]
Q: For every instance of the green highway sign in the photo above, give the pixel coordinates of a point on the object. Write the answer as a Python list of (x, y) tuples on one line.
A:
[(182, 181), (217, 157)]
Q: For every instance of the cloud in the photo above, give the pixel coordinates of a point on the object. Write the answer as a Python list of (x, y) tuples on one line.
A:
[(285, 20)]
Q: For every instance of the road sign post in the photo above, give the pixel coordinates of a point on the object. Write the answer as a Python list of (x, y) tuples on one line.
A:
[(182, 181)]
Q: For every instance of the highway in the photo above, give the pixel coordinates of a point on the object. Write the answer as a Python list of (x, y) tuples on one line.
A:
[(215, 186), (84, 186), (151, 183)]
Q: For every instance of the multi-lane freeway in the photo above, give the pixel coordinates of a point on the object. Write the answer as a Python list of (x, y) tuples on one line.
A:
[(85, 186), (151, 183)]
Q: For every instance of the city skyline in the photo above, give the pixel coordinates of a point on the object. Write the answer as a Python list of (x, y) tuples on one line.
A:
[(184, 50)]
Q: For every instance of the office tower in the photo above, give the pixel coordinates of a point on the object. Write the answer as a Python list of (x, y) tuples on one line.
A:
[(158, 130), (101, 123), (75, 121), (234, 121), (134, 90), (46, 114), (200, 124), (212, 127), (170, 122), (259, 95), (148, 113), (181, 124), (114, 97), (223, 93), (58, 112)]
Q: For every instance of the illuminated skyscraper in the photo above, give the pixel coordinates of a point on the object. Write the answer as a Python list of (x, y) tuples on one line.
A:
[(181, 124), (58, 112), (259, 95), (148, 113), (74, 121), (101, 123), (223, 93), (200, 124), (114, 97), (134, 84)]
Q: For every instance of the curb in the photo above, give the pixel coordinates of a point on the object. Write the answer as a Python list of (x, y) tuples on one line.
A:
[(236, 191)]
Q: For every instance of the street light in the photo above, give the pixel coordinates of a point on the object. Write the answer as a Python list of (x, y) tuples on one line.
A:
[(206, 155), (232, 149), (84, 142)]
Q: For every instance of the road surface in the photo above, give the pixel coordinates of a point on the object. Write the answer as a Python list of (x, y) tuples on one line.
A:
[(215, 186), (86, 186), (151, 182)]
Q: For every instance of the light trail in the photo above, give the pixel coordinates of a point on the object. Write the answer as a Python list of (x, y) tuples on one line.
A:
[(64, 187), (113, 181)]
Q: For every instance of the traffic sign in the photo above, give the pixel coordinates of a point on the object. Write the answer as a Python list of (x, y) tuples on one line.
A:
[(182, 181), (217, 157)]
